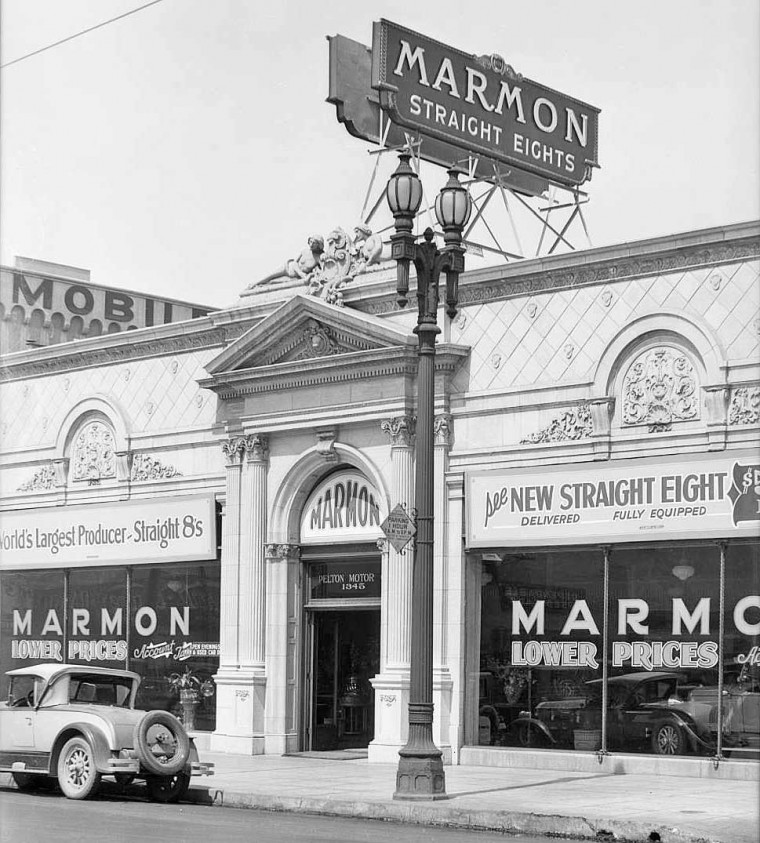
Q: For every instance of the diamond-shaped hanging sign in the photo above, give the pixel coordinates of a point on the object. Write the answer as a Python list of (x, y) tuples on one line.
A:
[(399, 528)]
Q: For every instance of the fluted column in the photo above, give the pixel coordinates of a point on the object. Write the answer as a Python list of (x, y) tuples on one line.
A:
[(442, 680), (253, 519), (233, 450), (391, 685)]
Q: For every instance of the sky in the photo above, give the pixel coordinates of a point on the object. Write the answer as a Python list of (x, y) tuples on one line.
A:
[(188, 150)]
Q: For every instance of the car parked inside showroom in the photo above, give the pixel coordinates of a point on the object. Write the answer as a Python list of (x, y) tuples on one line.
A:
[(653, 711), (75, 724)]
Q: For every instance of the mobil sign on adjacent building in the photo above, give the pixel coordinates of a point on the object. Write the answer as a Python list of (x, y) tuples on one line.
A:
[(482, 106)]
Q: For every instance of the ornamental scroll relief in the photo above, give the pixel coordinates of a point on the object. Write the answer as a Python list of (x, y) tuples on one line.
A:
[(574, 423), (146, 467), (660, 388), (43, 480), (745, 405)]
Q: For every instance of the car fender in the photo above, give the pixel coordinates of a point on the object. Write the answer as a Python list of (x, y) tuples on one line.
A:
[(93, 735), (534, 723)]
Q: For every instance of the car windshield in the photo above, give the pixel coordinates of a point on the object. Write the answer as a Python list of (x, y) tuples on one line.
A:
[(100, 690), (24, 691)]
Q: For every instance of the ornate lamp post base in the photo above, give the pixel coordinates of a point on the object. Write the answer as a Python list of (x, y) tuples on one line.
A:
[(420, 778)]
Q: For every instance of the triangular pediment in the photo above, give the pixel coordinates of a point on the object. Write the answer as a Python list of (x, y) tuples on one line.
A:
[(306, 328)]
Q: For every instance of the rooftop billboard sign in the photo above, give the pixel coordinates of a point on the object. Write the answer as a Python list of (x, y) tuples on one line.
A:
[(482, 106)]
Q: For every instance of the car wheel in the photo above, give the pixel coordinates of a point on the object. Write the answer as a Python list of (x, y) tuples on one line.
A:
[(78, 777), (32, 781), (162, 743), (168, 788), (669, 739)]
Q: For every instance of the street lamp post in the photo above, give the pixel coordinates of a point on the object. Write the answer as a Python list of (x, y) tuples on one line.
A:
[(420, 771)]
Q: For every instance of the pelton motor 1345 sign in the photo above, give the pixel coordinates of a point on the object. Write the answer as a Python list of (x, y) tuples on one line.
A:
[(482, 106), (633, 500)]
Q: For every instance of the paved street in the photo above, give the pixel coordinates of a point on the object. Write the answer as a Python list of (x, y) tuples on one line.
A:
[(28, 818)]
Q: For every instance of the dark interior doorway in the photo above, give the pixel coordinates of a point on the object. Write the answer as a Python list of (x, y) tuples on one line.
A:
[(345, 656)]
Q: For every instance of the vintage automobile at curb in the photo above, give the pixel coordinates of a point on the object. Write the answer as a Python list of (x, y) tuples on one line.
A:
[(646, 712), (76, 724)]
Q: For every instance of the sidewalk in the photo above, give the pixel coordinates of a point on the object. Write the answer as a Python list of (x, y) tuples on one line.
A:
[(598, 806), (592, 806)]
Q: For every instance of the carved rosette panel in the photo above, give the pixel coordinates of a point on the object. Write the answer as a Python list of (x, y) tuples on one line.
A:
[(574, 423), (400, 429), (93, 455), (146, 467), (42, 481), (745, 405), (660, 388)]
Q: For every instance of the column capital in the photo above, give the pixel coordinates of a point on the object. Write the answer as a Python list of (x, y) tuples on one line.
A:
[(442, 429), (233, 449), (282, 552), (401, 430), (256, 447)]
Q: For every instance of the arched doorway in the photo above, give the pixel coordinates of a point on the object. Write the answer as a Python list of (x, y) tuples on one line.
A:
[(341, 561)]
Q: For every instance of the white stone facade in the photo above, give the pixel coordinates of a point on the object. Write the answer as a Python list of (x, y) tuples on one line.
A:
[(255, 404)]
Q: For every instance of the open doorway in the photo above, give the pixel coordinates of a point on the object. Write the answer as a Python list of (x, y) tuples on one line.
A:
[(345, 655)]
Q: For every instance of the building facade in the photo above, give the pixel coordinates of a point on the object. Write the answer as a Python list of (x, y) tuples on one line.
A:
[(211, 495)]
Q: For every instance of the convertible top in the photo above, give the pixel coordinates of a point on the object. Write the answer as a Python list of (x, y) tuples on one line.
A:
[(52, 670)]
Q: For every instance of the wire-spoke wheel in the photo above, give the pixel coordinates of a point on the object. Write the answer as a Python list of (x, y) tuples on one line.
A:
[(668, 739), (78, 776)]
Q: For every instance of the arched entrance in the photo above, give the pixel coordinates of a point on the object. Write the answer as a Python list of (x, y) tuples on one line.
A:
[(342, 597)]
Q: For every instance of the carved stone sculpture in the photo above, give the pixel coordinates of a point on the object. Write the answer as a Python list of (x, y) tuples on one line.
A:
[(328, 264), (301, 267)]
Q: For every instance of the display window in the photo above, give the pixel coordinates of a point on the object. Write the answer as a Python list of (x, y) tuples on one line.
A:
[(174, 611), (32, 618), (160, 620), (624, 649)]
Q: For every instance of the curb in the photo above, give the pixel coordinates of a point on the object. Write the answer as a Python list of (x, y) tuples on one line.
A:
[(509, 822), (505, 822)]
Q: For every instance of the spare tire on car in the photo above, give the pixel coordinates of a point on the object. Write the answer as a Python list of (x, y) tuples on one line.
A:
[(161, 743)]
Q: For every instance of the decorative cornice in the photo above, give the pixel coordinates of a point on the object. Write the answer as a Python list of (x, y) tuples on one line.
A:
[(745, 405), (574, 423), (72, 356), (375, 363), (146, 467), (605, 270), (400, 429)]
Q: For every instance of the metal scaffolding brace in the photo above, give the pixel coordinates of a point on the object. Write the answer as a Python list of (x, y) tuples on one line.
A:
[(486, 229)]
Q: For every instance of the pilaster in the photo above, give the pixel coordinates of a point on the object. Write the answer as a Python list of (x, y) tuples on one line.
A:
[(391, 685), (283, 667), (442, 682)]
